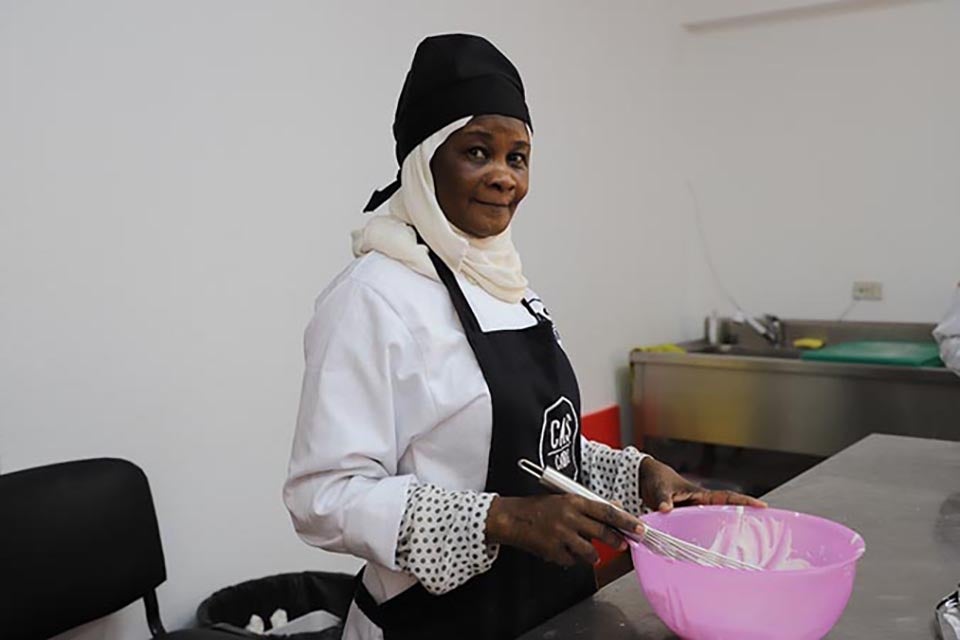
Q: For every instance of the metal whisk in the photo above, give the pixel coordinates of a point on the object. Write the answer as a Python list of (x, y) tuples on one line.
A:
[(654, 539)]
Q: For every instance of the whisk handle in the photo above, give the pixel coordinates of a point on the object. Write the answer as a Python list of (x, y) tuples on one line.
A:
[(553, 479)]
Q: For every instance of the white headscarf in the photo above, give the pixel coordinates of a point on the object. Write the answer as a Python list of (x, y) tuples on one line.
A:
[(491, 263)]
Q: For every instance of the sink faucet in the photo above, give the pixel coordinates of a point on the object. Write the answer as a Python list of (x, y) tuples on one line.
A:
[(771, 329)]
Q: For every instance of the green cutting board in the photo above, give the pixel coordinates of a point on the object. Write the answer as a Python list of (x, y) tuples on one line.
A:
[(905, 354)]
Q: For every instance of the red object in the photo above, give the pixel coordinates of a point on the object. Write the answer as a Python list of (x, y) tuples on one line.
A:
[(603, 426)]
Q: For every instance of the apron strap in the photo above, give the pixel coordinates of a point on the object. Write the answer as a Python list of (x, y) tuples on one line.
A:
[(467, 317), (464, 310), (459, 300)]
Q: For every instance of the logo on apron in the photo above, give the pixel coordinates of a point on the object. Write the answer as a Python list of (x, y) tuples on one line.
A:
[(560, 430), (540, 311)]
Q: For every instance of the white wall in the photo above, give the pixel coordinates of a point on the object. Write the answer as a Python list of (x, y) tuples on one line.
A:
[(178, 183), (825, 148), (178, 180)]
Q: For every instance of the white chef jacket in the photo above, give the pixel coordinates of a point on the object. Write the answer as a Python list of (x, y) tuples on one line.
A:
[(392, 395), (947, 335)]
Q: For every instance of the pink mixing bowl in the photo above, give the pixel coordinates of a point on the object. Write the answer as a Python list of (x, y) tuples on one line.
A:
[(778, 603)]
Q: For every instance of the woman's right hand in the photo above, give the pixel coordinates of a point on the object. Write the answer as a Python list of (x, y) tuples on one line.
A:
[(557, 528)]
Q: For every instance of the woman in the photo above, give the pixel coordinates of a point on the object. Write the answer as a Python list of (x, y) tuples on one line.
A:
[(431, 369)]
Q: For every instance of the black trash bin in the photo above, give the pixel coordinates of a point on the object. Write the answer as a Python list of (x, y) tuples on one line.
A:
[(230, 608)]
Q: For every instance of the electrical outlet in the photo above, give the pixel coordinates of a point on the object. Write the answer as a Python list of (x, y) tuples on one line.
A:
[(867, 290)]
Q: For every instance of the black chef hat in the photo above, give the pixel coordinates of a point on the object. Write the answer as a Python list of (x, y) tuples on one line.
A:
[(452, 76)]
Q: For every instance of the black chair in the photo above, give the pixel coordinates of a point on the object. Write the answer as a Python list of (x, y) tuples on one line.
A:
[(79, 540)]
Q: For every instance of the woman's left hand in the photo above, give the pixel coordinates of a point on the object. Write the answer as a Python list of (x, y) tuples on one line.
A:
[(661, 487)]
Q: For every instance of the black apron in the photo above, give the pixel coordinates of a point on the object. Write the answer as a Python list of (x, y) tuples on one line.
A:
[(536, 415)]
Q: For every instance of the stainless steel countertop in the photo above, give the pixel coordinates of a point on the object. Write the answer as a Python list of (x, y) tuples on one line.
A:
[(696, 357), (901, 494)]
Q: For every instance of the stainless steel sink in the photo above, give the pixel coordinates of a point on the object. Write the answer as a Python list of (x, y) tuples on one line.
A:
[(747, 393), (747, 352)]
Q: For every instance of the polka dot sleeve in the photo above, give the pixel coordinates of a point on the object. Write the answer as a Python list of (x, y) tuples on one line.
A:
[(613, 474), (441, 537)]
